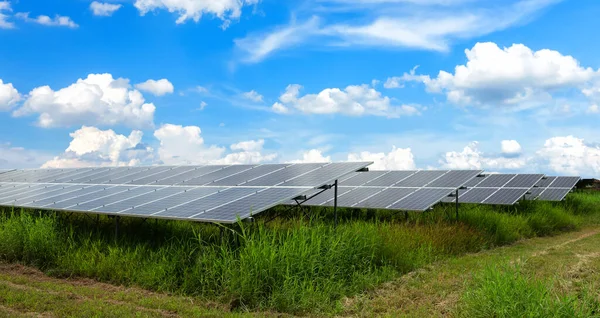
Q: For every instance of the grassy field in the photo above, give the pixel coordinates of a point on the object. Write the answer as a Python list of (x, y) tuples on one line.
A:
[(291, 265)]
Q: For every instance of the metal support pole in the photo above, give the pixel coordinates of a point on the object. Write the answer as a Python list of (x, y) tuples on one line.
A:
[(456, 204), (335, 197)]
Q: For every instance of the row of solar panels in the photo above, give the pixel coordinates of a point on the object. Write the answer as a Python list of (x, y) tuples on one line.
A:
[(387, 190), (222, 193)]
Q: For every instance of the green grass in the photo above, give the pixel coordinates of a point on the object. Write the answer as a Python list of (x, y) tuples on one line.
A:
[(505, 291), (292, 264)]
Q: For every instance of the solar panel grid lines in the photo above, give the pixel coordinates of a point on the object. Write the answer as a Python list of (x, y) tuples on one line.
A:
[(71, 189), (361, 178), (126, 178), (16, 193), (188, 195), (258, 202), (157, 176), (14, 188), (181, 178), (391, 178), (117, 174), (114, 198), (554, 194), (49, 191), (253, 168), (219, 174), (407, 175), (506, 196), (510, 177), (223, 204), (82, 198), (217, 198), (399, 205), (244, 177), (89, 176), (422, 199), (283, 175), (51, 176), (140, 200), (69, 195), (70, 174), (113, 191)]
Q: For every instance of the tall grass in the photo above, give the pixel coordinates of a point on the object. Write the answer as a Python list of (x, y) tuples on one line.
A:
[(505, 291), (292, 264)]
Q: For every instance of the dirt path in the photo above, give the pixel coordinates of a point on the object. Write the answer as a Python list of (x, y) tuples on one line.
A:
[(435, 291)]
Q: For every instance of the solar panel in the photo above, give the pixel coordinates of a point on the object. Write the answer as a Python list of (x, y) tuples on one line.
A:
[(554, 194), (171, 192), (504, 189), (553, 188), (410, 190)]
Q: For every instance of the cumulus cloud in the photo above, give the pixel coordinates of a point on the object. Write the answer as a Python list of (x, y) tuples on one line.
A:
[(185, 145), (354, 100), (157, 88), (313, 155), (98, 99), (505, 76), (104, 9), (91, 146), (511, 147), (397, 159), (4, 10), (253, 96), (593, 109), (570, 155), (225, 10), (9, 96), (472, 158), (57, 20)]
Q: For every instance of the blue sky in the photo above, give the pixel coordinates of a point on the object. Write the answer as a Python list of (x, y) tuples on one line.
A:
[(500, 85)]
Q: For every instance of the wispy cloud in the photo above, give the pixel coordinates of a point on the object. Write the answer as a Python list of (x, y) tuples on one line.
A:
[(57, 20), (415, 24)]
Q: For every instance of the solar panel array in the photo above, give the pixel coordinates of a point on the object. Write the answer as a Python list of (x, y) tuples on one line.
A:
[(211, 193), (414, 190), (501, 189), (553, 188)]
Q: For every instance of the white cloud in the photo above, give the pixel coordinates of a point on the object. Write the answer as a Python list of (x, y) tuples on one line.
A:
[(511, 147), (203, 105), (9, 96), (258, 46), (18, 157), (248, 152), (157, 88), (397, 159), (472, 158), (279, 108), (98, 99), (185, 145), (593, 109), (251, 145), (104, 9), (91, 146), (313, 155), (4, 9), (354, 100), (422, 25), (569, 155), (58, 20), (253, 96), (225, 10), (506, 76)]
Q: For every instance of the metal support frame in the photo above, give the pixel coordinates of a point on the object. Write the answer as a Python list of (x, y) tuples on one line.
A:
[(335, 198), (456, 200)]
